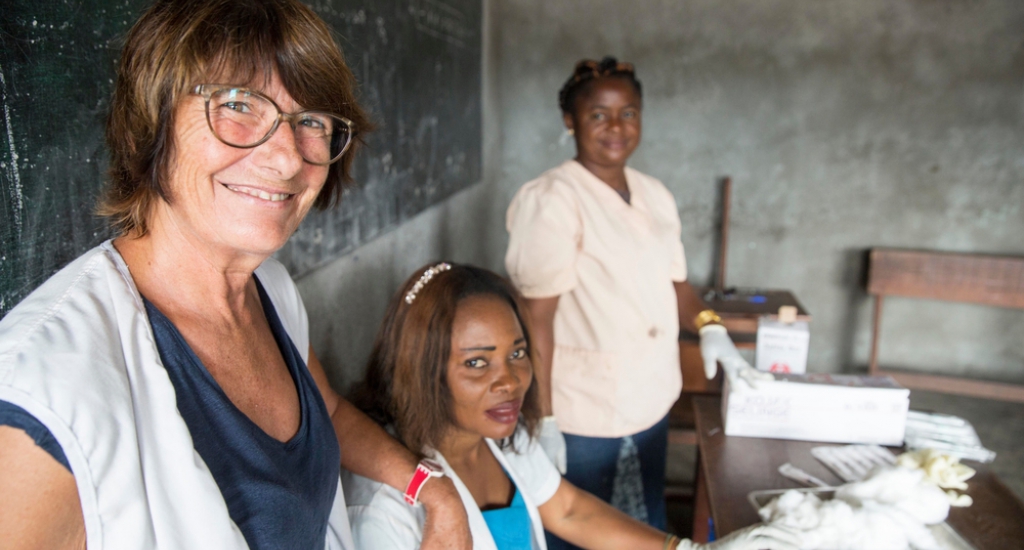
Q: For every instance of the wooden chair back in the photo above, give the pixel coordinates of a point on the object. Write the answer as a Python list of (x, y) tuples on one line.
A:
[(972, 278)]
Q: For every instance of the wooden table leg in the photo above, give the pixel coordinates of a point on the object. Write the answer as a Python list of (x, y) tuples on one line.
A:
[(701, 506)]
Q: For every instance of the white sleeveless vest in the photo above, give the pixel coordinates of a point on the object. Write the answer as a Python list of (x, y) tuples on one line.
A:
[(79, 355)]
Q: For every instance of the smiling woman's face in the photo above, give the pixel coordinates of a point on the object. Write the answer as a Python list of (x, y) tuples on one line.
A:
[(234, 200), (606, 123), (489, 369)]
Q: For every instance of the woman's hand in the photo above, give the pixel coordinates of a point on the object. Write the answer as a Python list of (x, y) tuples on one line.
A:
[(716, 347), (447, 525), (368, 450), (755, 537)]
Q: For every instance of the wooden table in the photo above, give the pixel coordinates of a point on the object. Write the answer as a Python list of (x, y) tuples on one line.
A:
[(729, 468), (740, 308)]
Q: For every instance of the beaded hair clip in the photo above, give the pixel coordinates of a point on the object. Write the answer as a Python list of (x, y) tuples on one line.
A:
[(589, 68), (424, 279)]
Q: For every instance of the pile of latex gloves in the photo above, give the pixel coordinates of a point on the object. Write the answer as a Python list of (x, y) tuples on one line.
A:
[(889, 510), (942, 470)]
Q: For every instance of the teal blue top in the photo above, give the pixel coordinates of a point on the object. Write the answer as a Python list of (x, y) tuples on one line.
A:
[(510, 527)]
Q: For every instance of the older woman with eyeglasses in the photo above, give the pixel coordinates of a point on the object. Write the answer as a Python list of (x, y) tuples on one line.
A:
[(160, 391)]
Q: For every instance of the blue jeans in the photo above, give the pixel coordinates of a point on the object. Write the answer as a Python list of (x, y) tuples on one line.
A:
[(628, 472)]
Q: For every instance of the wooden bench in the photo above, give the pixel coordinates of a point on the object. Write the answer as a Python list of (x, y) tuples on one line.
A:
[(972, 278)]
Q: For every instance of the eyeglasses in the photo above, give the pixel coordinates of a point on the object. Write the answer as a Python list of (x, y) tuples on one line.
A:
[(244, 118)]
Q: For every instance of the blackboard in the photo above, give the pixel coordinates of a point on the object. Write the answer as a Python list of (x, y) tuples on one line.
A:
[(419, 68)]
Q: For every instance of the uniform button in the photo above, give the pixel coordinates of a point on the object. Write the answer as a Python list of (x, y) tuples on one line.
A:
[(653, 333)]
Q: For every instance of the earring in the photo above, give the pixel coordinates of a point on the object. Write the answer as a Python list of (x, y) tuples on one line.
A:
[(571, 131), (566, 137)]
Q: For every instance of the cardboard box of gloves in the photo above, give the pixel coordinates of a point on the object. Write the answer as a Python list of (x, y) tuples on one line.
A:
[(818, 407)]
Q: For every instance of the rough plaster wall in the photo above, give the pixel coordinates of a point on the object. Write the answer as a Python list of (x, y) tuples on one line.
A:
[(346, 299), (844, 124)]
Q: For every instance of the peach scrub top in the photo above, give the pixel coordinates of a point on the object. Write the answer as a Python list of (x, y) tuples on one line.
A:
[(615, 370)]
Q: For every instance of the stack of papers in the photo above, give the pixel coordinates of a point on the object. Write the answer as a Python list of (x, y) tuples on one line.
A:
[(853, 462), (946, 433)]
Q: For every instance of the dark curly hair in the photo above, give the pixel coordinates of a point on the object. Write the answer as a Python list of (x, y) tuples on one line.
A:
[(589, 71)]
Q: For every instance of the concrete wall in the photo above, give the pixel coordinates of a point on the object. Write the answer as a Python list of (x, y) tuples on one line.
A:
[(346, 299), (844, 124)]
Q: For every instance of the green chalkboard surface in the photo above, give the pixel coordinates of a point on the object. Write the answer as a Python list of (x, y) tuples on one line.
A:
[(418, 63)]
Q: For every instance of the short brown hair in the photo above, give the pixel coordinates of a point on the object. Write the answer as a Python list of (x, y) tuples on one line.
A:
[(178, 44), (406, 385)]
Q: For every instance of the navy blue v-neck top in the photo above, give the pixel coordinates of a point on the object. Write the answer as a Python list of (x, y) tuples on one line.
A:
[(279, 494)]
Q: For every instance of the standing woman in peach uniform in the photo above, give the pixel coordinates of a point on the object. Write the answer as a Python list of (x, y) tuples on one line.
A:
[(595, 249)]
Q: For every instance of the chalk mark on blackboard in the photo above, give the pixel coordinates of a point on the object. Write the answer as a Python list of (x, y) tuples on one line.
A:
[(440, 21), (381, 31), (13, 169)]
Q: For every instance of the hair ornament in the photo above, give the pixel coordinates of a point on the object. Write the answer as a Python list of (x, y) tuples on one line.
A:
[(588, 70), (424, 279)]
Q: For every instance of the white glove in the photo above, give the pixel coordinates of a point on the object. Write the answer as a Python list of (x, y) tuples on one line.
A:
[(755, 537), (940, 468), (553, 442), (716, 347)]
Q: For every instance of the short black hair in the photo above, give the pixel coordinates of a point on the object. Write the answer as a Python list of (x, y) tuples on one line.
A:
[(587, 71)]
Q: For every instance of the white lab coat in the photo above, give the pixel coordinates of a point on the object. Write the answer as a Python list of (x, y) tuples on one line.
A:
[(79, 355), (381, 518)]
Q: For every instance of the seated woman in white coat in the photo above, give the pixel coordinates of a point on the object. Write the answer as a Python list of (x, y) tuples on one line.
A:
[(451, 374)]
